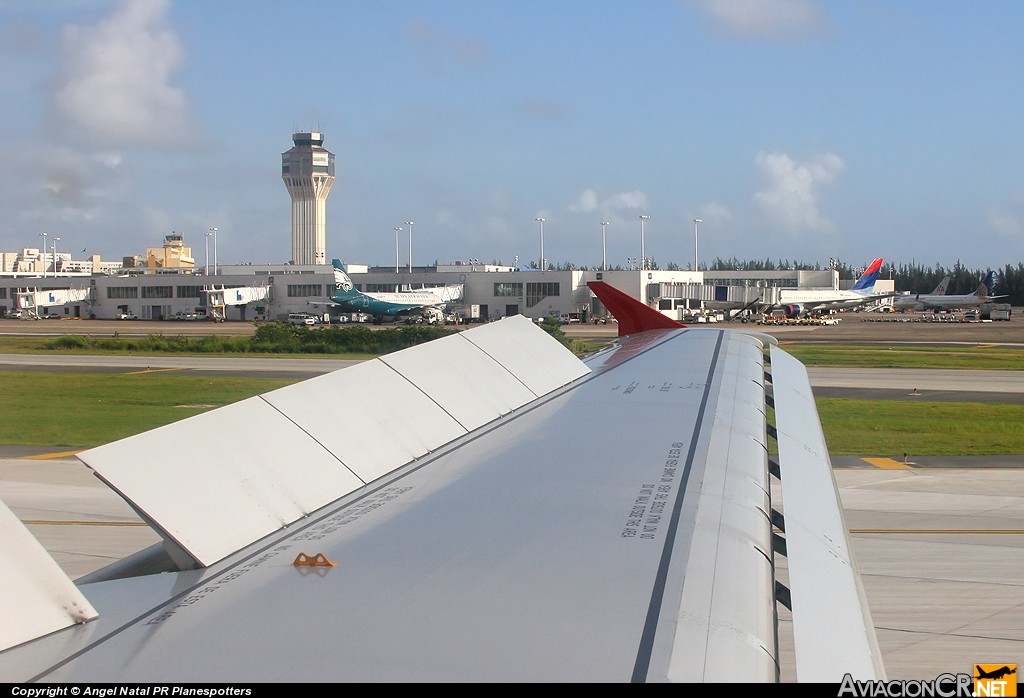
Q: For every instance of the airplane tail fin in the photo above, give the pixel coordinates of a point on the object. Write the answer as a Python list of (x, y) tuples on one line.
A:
[(867, 280), (343, 286), (941, 289), (633, 316), (987, 286)]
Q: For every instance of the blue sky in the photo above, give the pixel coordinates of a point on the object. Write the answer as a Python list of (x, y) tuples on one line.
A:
[(795, 129)]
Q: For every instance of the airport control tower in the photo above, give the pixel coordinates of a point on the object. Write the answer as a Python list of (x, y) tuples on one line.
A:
[(308, 172)]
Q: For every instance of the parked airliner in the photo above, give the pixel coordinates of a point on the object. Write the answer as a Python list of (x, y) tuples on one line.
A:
[(941, 301)]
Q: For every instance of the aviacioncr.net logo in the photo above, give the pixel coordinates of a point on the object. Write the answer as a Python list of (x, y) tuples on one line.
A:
[(942, 686), (995, 680)]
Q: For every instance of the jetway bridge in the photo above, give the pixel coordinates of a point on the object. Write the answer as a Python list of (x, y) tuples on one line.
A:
[(219, 299), (30, 301)]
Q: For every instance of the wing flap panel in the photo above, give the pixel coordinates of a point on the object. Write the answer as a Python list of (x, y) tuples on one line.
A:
[(38, 598), (823, 576)]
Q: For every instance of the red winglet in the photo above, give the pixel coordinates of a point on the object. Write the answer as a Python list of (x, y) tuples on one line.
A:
[(633, 316)]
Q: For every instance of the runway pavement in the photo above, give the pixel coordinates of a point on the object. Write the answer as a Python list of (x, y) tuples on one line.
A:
[(922, 379), (939, 385), (247, 364)]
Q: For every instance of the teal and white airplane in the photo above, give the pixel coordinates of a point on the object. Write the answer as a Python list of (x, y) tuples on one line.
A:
[(382, 305)]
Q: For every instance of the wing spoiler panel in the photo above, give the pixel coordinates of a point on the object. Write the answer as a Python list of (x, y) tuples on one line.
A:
[(38, 598)]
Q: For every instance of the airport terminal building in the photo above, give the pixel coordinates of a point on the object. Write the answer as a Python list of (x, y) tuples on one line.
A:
[(247, 292)]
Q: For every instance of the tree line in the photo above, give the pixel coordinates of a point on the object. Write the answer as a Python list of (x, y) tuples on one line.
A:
[(913, 277)]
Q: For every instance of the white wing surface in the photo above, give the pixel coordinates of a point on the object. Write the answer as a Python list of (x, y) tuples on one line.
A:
[(38, 596)]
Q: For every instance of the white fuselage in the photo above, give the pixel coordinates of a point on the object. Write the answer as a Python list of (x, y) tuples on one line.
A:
[(825, 299), (928, 301)]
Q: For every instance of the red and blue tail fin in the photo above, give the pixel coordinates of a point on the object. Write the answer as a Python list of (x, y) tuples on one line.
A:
[(633, 316), (867, 280)]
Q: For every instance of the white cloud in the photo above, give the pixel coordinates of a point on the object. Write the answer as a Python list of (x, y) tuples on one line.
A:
[(114, 87), (585, 203), (626, 200), (610, 206), (764, 18), (65, 215), (715, 212), (1004, 223), (109, 159), (1007, 220), (791, 196), (444, 216), (65, 184), (496, 225)]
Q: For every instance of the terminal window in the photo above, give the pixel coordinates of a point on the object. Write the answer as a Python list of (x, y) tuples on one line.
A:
[(158, 292), (122, 292), (305, 290), (536, 292), (508, 289)]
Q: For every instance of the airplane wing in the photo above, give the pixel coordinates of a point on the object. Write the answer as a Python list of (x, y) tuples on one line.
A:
[(324, 302), (494, 509)]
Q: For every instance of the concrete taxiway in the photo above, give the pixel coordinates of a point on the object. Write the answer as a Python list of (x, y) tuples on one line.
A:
[(897, 381), (247, 364)]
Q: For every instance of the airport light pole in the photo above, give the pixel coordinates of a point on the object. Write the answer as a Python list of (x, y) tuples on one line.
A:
[(604, 245), (696, 222), (543, 266), (643, 257), (207, 241), (409, 223), (54, 245), (213, 232), (43, 236), (398, 229)]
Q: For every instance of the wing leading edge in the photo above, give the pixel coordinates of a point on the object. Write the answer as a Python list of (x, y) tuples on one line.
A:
[(609, 523)]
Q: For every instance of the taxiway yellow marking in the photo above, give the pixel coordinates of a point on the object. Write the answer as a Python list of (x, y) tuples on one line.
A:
[(47, 456), (887, 463), (84, 523), (153, 370)]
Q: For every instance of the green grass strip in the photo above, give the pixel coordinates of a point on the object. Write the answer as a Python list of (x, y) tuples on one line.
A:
[(56, 409), (88, 409), (902, 356), (892, 428)]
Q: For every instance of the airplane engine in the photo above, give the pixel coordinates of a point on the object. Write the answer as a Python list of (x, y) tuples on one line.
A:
[(793, 311)]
